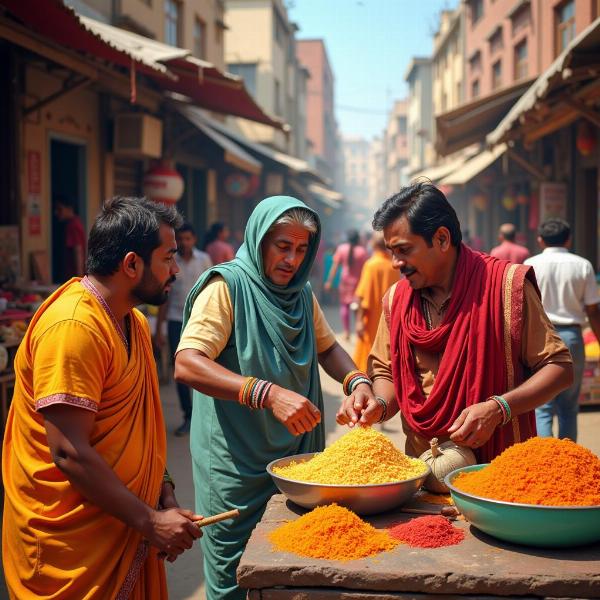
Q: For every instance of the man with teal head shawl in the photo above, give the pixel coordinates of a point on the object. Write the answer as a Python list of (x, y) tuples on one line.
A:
[(253, 338)]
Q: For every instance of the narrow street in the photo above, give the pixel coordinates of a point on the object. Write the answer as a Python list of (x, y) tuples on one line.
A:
[(185, 577)]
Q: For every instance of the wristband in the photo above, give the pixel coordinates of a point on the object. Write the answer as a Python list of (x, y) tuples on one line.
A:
[(504, 408), (385, 407)]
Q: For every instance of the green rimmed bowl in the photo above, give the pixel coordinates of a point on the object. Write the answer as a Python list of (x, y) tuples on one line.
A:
[(527, 524)]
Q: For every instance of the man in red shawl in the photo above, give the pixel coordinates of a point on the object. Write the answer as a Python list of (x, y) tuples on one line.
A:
[(464, 350)]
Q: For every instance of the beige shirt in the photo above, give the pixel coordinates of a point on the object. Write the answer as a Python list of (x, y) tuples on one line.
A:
[(212, 319), (541, 345)]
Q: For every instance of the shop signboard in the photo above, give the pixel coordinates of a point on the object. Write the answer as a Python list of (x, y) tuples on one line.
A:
[(34, 186), (553, 200)]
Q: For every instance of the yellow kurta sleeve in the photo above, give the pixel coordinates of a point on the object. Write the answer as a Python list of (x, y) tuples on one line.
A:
[(323, 332), (70, 362), (211, 320)]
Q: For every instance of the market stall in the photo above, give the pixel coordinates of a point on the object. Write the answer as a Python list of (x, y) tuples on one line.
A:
[(479, 567), (525, 525)]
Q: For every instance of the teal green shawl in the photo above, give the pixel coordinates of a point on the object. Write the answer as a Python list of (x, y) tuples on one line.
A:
[(272, 338)]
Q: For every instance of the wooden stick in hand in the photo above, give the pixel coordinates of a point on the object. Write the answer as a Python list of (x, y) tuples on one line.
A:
[(230, 514)]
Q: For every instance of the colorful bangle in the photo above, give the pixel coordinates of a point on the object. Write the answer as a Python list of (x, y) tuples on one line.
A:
[(385, 407), (253, 392), (265, 393), (357, 381), (352, 380), (244, 389), (504, 408)]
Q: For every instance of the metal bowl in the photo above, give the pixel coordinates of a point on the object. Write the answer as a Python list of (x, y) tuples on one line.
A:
[(362, 499), (527, 524)]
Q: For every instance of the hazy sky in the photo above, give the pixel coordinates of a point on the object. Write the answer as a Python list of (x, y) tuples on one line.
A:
[(369, 44)]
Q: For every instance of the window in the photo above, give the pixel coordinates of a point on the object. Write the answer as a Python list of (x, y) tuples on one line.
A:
[(521, 18), (475, 61), (565, 25), (171, 22), (475, 88), (247, 71), (277, 97), (521, 60), (476, 11), (496, 40), (497, 75), (402, 125), (199, 39)]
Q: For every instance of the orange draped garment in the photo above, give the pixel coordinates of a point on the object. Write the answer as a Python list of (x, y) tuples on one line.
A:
[(377, 276), (55, 543)]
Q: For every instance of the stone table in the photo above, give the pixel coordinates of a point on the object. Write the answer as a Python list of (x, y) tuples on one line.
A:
[(481, 567)]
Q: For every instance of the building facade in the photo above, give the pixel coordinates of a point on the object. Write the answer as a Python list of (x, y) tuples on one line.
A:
[(396, 148), (198, 25), (420, 124), (377, 191), (507, 41), (260, 47), (448, 61), (356, 191), (320, 125)]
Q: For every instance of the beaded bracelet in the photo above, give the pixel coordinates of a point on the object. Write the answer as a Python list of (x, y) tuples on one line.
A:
[(353, 379), (383, 403), (504, 408)]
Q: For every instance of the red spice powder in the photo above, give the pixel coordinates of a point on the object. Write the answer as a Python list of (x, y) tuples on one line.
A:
[(427, 532)]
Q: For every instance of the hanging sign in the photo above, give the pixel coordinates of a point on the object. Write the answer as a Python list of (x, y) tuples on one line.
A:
[(34, 187), (553, 200)]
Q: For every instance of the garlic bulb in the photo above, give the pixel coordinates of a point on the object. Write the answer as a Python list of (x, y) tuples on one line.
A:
[(444, 458)]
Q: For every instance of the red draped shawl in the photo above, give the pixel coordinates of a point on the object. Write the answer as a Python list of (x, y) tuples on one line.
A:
[(479, 340)]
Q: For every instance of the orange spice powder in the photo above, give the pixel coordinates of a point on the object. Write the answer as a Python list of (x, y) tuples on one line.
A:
[(543, 471), (331, 532)]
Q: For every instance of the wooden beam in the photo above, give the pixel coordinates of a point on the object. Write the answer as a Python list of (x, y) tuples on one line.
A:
[(584, 110), (525, 164), (550, 125), (70, 85), (26, 38)]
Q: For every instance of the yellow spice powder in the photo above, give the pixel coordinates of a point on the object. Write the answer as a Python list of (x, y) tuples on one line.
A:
[(331, 532), (361, 456)]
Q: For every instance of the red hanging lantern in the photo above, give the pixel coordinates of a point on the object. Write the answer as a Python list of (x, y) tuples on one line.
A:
[(522, 199), (163, 183), (586, 138)]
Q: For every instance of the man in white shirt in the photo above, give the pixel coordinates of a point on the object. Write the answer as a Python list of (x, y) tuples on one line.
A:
[(192, 263), (569, 295)]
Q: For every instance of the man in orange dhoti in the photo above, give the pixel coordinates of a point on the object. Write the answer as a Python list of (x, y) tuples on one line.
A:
[(88, 502), (377, 276)]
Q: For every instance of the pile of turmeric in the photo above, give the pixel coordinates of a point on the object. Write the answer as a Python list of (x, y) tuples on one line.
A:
[(543, 471), (361, 456), (331, 532)]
